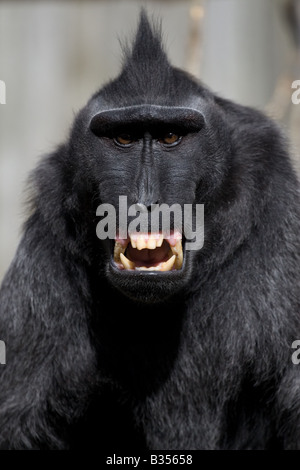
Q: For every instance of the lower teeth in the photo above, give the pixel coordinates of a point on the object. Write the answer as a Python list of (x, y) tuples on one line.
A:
[(126, 262)]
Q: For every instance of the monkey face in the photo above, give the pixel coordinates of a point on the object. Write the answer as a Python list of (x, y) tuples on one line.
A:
[(141, 154), (149, 165)]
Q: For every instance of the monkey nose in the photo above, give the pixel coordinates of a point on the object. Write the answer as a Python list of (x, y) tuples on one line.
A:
[(144, 207), (140, 207)]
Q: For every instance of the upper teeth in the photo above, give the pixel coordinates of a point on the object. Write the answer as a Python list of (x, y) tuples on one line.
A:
[(151, 241), (144, 240), (177, 250)]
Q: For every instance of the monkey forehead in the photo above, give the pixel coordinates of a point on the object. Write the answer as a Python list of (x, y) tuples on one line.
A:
[(188, 118)]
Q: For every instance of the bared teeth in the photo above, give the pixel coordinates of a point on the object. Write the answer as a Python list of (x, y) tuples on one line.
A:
[(177, 250), (133, 242), (126, 262), (159, 241), (150, 241), (118, 249), (145, 240), (141, 243), (168, 265), (151, 244), (152, 268)]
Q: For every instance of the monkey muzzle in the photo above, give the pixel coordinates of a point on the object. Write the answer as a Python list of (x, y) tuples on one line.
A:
[(149, 252)]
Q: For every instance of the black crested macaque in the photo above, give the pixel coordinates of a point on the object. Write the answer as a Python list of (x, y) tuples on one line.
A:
[(141, 341)]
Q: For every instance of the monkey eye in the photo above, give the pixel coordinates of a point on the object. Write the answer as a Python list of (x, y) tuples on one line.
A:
[(123, 139), (170, 139)]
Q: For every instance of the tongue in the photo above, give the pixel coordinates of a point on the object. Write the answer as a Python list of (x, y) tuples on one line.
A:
[(147, 257)]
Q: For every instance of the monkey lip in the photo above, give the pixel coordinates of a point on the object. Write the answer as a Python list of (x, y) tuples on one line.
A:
[(149, 252)]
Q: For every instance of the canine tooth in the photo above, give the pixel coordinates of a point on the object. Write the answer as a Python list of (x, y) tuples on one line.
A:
[(179, 261), (118, 249), (177, 250), (141, 243), (126, 262), (168, 265)]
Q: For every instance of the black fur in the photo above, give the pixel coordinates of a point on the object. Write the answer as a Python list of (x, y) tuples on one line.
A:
[(201, 360)]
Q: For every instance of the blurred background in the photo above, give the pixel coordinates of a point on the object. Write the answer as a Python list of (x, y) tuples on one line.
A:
[(55, 54)]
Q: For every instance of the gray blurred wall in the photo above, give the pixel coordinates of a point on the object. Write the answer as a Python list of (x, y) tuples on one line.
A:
[(55, 54)]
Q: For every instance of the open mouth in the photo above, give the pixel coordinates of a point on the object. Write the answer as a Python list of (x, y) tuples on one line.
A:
[(149, 252)]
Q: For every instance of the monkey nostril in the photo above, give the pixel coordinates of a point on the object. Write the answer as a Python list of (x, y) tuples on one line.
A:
[(149, 206), (140, 207)]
